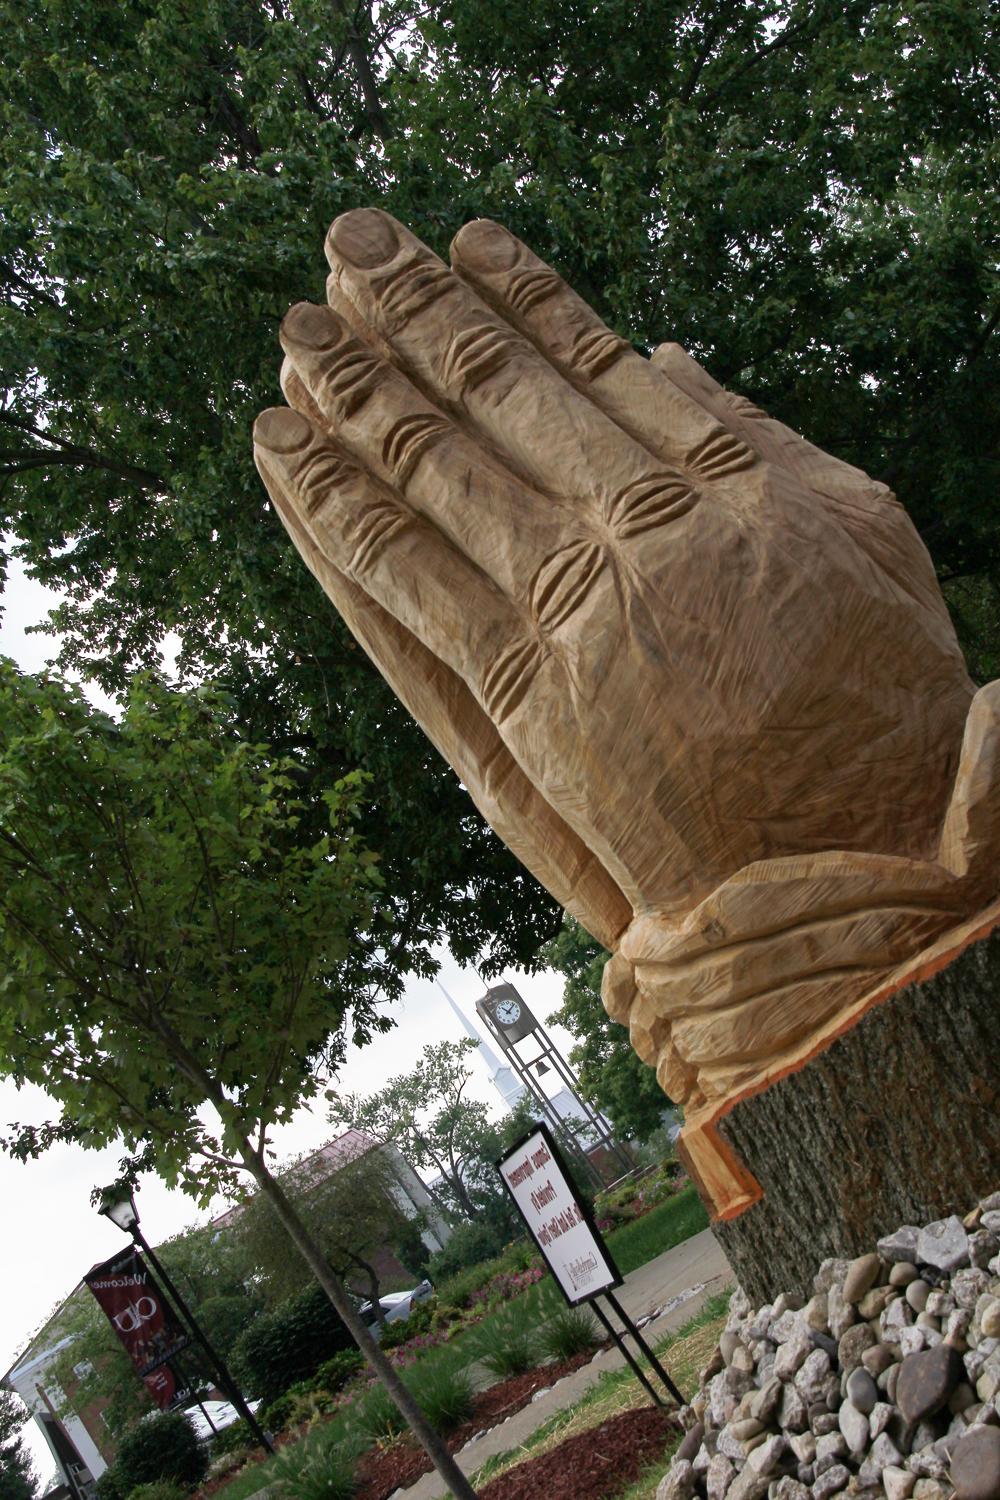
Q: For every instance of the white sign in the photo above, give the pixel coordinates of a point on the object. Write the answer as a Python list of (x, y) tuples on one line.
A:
[(573, 1249)]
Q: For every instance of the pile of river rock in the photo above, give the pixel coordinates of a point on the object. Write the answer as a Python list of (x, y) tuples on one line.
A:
[(884, 1385)]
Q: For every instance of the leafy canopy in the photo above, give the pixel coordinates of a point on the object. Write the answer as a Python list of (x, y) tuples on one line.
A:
[(801, 191), (169, 940), (17, 1479)]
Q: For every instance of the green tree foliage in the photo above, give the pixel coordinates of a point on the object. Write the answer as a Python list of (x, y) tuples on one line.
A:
[(17, 1481), (802, 192), (428, 1117), (164, 1446), (176, 968), (288, 1343), (611, 1075), (352, 1211)]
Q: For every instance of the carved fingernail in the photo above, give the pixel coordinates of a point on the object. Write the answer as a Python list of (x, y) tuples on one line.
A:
[(310, 326), (484, 246), (365, 238), (281, 430)]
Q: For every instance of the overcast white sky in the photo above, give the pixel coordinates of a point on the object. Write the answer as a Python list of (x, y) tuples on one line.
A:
[(51, 1233)]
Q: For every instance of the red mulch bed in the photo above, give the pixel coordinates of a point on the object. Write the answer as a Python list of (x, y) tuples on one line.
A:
[(384, 1470), (593, 1464)]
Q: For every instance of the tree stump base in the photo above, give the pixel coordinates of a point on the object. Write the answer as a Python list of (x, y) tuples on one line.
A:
[(895, 1121)]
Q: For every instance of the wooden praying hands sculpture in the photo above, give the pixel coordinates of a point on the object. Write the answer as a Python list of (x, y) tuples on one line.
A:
[(694, 671)]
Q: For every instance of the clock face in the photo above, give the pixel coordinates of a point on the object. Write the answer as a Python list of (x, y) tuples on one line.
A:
[(507, 1012)]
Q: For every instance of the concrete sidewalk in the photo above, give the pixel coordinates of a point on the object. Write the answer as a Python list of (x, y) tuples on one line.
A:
[(674, 1285)]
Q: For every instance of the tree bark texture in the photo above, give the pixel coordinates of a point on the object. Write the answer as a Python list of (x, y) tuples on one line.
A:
[(897, 1122)]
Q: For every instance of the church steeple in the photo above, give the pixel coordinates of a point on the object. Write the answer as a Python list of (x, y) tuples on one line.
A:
[(503, 1078)]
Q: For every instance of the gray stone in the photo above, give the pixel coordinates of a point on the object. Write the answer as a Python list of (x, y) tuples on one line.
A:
[(810, 1381), (792, 1354), (746, 1427), (930, 1489), (897, 1483), (830, 1270), (957, 1327), (989, 1319), (917, 1293), (678, 1483), (862, 1392), (902, 1273), (830, 1449), (898, 1314), (911, 1341), (805, 1473), (900, 1246), (861, 1277), (823, 1341), (787, 1488), (944, 1244), (961, 1398), (975, 1464), (718, 1477), (927, 1464), (926, 1380), (690, 1443), (765, 1401), (831, 1481), (815, 1312), (792, 1412), (803, 1445), (924, 1436), (875, 1301), (742, 1359), (853, 1344), (881, 1453), (968, 1285), (991, 1220), (748, 1485), (767, 1458), (854, 1427), (881, 1415), (983, 1245), (878, 1358), (840, 1313), (940, 1304), (891, 1381), (729, 1445)]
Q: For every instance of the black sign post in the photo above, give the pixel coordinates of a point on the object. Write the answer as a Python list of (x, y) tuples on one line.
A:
[(536, 1176)]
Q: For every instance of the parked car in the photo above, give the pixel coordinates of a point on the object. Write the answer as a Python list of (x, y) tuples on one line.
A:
[(395, 1306)]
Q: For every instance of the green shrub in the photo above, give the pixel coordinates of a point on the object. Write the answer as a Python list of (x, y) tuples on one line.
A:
[(571, 1332), (445, 1395), (164, 1446), (468, 1246), (378, 1418), (236, 1435), (273, 1418), (160, 1489), (288, 1344), (334, 1373), (508, 1345), (109, 1486), (316, 1468)]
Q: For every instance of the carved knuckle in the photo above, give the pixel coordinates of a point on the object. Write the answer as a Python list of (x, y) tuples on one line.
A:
[(719, 454), (347, 378), (528, 288), (564, 582), (476, 353), (408, 439), (649, 503), (596, 350), (380, 521), (323, 473), (407, 289), (507, 681)]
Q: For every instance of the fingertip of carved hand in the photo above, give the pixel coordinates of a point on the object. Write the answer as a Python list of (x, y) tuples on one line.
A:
[(309, 326), (280, 430), (482, 245), (364, 237)]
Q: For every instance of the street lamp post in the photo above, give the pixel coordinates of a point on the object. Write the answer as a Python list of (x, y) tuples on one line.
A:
[(118, 1205)]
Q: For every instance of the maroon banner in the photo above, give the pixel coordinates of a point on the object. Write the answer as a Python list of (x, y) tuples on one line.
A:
[(136, 1311)]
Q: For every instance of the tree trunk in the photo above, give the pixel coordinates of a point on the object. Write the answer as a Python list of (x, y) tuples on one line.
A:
[(895, 1123), (334, 1288)]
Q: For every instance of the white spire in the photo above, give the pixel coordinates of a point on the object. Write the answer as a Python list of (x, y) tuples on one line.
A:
[(503, 1078)]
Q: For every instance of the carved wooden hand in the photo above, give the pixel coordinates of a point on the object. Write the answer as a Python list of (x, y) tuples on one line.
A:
[(696, 673)]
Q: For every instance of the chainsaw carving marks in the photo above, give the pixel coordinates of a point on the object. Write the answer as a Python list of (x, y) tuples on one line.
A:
[(403, 291), (507, 682), (718, 456), (564, 581), (377, 523), (529, 288), (408, 439), (476, 353), (648, 503)]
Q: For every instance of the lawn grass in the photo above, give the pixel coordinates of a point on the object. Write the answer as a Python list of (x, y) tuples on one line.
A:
[(676, 1219)]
